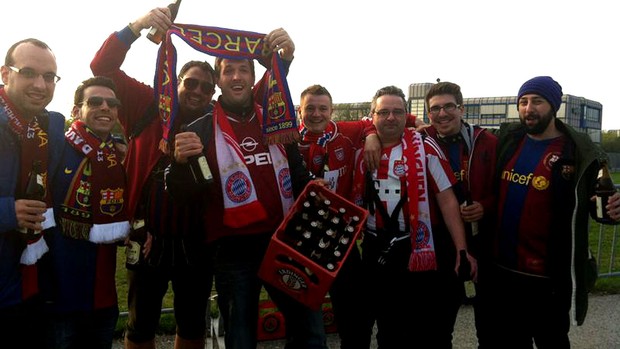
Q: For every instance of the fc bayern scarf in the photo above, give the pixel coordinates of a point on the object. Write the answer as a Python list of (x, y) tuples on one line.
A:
[(34, 141), (94, 208), (279, 119), (241, 206), (422, 256)]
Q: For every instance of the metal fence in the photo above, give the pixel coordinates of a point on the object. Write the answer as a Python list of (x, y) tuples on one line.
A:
[(605, 251)]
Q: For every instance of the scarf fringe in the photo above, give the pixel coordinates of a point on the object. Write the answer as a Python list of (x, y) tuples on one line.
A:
[(283, 138), (74, 229), (422, 261), (109, 232), (34, 251)]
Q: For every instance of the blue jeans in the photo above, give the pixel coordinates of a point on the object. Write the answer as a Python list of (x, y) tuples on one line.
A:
[(236, 264), (88, 329)]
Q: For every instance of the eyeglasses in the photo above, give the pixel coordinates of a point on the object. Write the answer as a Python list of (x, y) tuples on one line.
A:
[(448, 108), (29, 73), (205, 86), (94, 102), (384, 113)]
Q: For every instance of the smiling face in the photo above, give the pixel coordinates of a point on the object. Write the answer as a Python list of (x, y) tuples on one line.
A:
[(316, 112), (195, 91), (445, 114), (102, 118), (30, 95), (235, 80)]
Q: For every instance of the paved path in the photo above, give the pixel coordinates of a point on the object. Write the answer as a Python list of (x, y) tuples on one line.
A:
[(600, 331)]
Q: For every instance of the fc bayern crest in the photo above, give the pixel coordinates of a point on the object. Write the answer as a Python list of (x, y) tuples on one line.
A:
[(399, 168), (284, 179), (238, 187), (423, 235), (339, 154)]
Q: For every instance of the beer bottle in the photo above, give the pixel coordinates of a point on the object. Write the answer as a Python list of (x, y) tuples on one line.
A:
[(157, 36), (134, 250), (35, 190), (604, 188), (473, 225), (199, 166), (464, 275)]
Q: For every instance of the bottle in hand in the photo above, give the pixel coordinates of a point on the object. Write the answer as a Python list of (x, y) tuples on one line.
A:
[(199, 166), (604, 188), (464, 275), (134, 251), (157, 36), (35, 190)]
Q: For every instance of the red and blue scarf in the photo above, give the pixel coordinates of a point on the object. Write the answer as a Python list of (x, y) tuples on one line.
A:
[(94, 208), (279, 119)]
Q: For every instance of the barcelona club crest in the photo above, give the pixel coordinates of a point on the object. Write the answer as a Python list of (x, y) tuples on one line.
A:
[(276, 107), (82, 195), (111, 201)]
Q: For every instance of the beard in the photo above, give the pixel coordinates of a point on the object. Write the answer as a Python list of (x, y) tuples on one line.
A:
[(540, 126)]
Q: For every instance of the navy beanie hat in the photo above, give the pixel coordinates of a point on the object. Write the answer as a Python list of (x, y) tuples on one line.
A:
[(544, 86)]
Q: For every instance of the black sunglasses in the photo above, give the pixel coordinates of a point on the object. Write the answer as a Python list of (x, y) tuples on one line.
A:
[(205, 86), (94, 102)]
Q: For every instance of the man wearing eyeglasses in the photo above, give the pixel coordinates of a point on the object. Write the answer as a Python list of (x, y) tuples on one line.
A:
[(29, 134), (413, 232), (175, 249), (471, 153), (78, 274)]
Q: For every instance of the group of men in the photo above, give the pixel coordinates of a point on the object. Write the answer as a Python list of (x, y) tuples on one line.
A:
[(526, 189)]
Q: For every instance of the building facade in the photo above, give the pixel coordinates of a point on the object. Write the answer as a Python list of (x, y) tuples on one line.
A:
[(582, 114)]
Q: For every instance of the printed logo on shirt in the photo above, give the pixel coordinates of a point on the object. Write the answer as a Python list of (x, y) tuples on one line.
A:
[(550, 159), (399, 168), (339, 154), (540, 183)]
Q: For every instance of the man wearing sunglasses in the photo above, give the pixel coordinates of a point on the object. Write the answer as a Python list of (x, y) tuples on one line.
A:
[(175, 249), (78, 281), (29, 134)]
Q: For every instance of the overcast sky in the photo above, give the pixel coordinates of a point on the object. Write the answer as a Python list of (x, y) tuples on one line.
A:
[(354, 48)]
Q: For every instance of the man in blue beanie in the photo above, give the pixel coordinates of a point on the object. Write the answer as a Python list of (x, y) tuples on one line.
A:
[(542, 270)]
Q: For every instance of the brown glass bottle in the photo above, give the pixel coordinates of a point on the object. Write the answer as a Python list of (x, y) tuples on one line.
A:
[(134, 251), (35, 190), (604, 188), (199, 166), (157, 36)]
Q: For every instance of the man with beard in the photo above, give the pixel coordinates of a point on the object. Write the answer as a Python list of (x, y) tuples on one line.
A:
[(541, 271)]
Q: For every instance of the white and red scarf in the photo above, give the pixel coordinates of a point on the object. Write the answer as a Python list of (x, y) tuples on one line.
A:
[(417, 209), (241, 205), (94, 208), (34, 146)]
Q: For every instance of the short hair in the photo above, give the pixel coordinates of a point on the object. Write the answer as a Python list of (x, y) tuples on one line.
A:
[(316, 90), (388, 91), (444, 88), (218, 64), (104, 81), (203, 65), (8, 60)]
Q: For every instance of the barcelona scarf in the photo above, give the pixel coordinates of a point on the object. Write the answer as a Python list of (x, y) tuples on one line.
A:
[(94, 208), (34, 141), (279, 120)]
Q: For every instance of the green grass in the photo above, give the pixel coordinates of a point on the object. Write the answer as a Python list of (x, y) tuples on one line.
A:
[(604, 285)]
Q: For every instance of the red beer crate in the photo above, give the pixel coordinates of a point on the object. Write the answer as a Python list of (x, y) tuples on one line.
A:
[(300, 273)]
